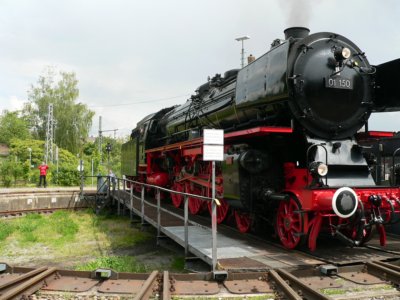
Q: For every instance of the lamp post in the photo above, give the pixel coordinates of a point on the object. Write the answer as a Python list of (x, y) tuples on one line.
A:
[(242, 39), (108, 149)]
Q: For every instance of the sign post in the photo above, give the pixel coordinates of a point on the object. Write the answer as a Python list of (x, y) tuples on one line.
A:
[(213, 150)]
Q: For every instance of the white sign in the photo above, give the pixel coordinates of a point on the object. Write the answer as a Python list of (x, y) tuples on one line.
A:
[(213, 144), (213, 137), (213, 152), (80, 168)]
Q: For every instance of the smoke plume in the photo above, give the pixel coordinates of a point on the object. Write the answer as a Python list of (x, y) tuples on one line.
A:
[(298, 12)]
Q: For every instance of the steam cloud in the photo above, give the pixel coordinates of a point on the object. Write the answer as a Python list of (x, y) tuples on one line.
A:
[(298, 12)]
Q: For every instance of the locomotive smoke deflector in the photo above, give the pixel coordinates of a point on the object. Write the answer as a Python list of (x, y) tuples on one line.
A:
[(387, 92)]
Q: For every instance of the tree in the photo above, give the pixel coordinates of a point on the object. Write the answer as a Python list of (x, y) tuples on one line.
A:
[(13, 126), (72, 120), (18, 165)]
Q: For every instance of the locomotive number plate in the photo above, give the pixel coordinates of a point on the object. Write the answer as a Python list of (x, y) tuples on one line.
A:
[(338, 82)]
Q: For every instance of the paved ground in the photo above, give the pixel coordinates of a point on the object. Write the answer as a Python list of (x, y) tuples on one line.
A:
[(47, 189)]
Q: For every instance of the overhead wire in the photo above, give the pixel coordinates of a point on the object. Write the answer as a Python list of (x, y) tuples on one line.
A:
[(139, 102)]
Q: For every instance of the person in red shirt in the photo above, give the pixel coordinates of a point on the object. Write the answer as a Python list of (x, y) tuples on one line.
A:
[(43, 172)]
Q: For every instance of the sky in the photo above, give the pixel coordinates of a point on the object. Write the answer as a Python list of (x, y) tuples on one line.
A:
[(133, 58)]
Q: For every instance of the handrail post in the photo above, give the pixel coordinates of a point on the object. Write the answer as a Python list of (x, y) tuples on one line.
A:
[(109, 188), (81, 187), (82, 177), (121, 192), (186, 213), (142, 204), (131, 203), (158, 215), (118, 199)]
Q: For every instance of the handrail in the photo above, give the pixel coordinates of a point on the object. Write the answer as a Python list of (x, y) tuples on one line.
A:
[(168, 190), (214, 202)]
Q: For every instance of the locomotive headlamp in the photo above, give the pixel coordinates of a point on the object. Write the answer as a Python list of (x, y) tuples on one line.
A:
[(346, 53), (342, 53), (344, 202), (318, 168)]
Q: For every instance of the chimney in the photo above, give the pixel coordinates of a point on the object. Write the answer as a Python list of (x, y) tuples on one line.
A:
[(296, 32), (250, 59)]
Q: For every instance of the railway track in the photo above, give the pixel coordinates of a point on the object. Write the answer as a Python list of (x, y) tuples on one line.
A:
[(367, 276), (372, 280), (4, 215)]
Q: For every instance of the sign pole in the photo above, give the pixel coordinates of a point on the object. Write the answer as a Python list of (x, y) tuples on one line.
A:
[(214, 221), (213, 150)]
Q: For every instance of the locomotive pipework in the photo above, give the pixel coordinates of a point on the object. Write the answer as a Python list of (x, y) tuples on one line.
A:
[(291, 154)]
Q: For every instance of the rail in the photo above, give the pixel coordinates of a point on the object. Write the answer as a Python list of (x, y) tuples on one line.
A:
[(114, 185), (372, 280)]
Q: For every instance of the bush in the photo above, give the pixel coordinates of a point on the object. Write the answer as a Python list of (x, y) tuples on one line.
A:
[(5, 172), (68, 176), (7, 180)]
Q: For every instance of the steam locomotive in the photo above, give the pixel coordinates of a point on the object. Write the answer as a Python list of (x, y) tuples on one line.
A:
[(293, 159)]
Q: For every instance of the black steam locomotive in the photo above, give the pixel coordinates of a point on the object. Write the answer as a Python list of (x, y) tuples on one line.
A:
[(292, 156)]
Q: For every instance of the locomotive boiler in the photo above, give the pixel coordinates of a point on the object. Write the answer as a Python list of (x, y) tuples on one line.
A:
[(292, 156)]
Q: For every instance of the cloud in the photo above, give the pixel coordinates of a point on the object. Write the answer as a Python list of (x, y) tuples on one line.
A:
[(128, 51), (16, 104)]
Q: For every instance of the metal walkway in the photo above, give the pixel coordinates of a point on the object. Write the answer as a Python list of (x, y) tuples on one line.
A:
[(234, 251)]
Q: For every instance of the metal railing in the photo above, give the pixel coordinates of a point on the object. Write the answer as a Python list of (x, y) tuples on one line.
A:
[(114, 189)]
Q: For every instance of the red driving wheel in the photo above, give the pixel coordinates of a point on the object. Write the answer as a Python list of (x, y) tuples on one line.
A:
[(196, 206), (289, 223), (177, 199), (222, 210), (243, 221)]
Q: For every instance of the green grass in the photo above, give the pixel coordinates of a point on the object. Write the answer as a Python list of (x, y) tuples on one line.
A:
[(54, 230), (340, 291), (116, 263), (331, 292), (178, 264), (27, 228), (73, 237), (6, 229)]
